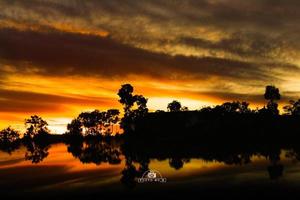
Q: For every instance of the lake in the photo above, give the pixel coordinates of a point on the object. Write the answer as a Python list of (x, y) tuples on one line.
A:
[(104, 168)]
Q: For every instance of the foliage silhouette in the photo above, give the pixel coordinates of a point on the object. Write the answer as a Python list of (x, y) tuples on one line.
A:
[(9, 140), (128, 100), (174, 106), (293, 108), (36, 126), (272, 94), (9, 135), (94, 123), (230, 133)]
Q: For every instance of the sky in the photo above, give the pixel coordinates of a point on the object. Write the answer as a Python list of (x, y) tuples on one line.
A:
[(61, 57)]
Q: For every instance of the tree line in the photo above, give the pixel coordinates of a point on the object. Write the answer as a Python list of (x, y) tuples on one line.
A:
[(102, 123)]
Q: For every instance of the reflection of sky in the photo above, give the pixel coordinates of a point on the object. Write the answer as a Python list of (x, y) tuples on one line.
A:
[(60, 170)]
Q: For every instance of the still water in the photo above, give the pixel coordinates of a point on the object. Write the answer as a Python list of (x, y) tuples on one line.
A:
[(61, 169)]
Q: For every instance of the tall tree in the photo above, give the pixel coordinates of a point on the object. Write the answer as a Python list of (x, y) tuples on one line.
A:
[(272, 94), (129, 101), (126, 97)]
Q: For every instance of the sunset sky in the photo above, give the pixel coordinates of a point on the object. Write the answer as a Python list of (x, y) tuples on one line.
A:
[(61, 57)]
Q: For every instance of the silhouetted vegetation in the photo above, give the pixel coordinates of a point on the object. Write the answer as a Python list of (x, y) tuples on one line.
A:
[(174, 106), (272, 94), (229, 117), (36, 126), (9, 135), (36, 151), (293, 108), (129, 101), (229, 133), (9, 140), (94, 123)]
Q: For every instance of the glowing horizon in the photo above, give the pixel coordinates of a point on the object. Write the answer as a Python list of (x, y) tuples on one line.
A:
[(59, 58)]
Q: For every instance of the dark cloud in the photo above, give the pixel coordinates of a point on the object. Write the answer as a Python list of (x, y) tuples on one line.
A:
[(243, 44), (250, 43), (19, 101), (59, 53)]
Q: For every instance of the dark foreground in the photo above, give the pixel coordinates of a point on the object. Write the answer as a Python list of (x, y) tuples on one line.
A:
[(95, 168)]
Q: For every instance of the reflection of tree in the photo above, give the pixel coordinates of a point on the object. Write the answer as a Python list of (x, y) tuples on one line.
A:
[(97, 152), (36, 152), (130, 172), (75, 148), (238, 159), (128, 176), (177, 163), (275, 171)]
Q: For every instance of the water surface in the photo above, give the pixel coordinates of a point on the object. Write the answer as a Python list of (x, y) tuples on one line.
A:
[(104, 168)]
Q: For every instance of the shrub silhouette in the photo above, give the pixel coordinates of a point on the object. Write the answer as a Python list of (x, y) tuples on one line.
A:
[(9, 135), (9, 140), (293, 108), (174, 106)]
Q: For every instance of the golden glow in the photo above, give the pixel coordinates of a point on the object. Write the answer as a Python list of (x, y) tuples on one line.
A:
[(59, 26), (162, 40), (74, 97)]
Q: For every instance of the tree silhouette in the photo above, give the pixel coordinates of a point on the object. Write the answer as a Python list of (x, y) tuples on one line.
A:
[(110, 118), (129, 100), (91, 122), (174, 106), (232, 107), (75, 128), (184, 108), (9, 140), (126, 97), (293, 108), (9, 135), (272, 94), (36, 126), (94, 123)]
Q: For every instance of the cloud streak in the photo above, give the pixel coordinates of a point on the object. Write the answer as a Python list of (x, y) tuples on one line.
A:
[(213, 49)]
